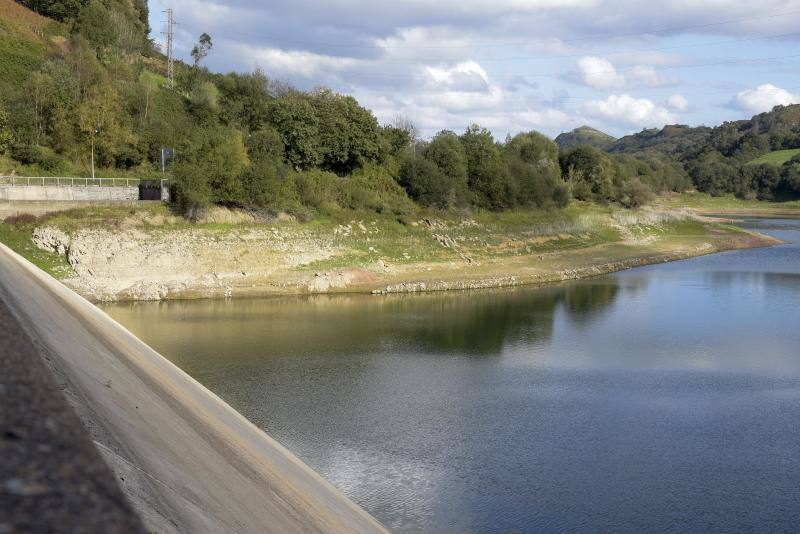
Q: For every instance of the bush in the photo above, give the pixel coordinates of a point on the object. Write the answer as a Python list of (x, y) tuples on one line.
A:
[(44, 157), (317, 188), (635, 193), (425, 183), (268, 185), (5, 132), (373, 188), (20, 220), (211, 170), (591, 173)]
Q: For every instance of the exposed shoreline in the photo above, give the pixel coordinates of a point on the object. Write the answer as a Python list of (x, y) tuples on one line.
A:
[(148, 254), (526, 270), (186, 460)]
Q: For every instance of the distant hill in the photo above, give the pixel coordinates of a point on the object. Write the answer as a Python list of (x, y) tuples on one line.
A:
[(746, 157), (671, 139), (585, 135)]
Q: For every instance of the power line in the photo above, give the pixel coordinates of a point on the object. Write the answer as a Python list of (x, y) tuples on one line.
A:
[(590, 73), (559, 41), (478, 95), (612, 53)]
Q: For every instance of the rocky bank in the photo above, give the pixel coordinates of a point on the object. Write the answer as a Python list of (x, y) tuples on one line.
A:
[(137, 261)]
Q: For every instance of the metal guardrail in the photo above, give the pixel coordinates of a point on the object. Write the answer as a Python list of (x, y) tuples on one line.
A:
[(65, 181)]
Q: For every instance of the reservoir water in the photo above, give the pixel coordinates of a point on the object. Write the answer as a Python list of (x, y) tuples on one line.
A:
[(664, 398)]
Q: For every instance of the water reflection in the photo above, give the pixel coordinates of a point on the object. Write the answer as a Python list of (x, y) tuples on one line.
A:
[(666, 397), (476, 323)]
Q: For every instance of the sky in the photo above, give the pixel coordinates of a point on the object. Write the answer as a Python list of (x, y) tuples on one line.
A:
[(513, 65)]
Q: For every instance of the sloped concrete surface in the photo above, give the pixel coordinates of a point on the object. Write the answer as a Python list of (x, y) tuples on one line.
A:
[(190, 463)]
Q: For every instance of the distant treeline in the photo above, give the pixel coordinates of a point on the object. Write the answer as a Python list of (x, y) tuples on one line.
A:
[(721, 160)]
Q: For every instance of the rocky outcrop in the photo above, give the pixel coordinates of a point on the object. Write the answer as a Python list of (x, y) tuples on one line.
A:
[(157, 264), (51, 239)]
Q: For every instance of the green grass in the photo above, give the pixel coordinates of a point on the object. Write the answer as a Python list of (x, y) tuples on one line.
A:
[(778, 157), (708, 203), (18, 239)]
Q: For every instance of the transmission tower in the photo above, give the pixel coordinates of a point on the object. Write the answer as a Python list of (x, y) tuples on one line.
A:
[(169, 34)]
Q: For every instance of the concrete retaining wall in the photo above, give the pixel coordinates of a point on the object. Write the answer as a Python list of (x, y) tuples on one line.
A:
[(71, 193)]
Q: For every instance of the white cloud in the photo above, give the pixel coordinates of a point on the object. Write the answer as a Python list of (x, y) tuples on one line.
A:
[(292, 62), (626, 109), (678, 102), (465, 76), (599, 73), (649, 77), (764, 98)]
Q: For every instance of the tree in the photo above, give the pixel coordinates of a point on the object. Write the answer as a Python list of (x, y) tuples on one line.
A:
[(349, 135), (98, 120), (5, 132), (790, 177), (60, 10), (447, 152), (590, 172), (211, 170), (425, 183), (245, 99), (201, 49), (534, 170), (96, 24), (487, 169), (295, 119)]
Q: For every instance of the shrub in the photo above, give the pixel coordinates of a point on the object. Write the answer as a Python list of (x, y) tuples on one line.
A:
[(21, 219), (44, 157), (373, 188), (635, 193)]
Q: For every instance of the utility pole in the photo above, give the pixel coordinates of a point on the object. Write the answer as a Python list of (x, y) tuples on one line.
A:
[(94, 131), (169, 34)]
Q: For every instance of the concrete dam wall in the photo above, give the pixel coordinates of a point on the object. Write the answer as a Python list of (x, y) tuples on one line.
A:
[(186, 460)]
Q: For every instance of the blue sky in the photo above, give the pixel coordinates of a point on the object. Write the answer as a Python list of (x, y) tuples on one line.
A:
[(515, 65)]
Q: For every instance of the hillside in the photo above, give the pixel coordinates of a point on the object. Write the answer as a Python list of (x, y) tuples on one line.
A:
[(584, 135), (777, 157), (25, 39), (671, 139), (749, 158)]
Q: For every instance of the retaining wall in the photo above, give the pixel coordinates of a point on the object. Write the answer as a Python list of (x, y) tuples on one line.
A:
[(72, 193), (77, 192)]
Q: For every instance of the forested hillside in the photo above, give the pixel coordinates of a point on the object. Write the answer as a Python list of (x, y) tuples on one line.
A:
[(753, 158), (90, 76)]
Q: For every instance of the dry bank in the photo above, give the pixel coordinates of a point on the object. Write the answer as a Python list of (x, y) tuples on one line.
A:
[(150, 254)]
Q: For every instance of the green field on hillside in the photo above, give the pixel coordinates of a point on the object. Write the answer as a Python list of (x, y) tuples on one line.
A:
[(778, 157)]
